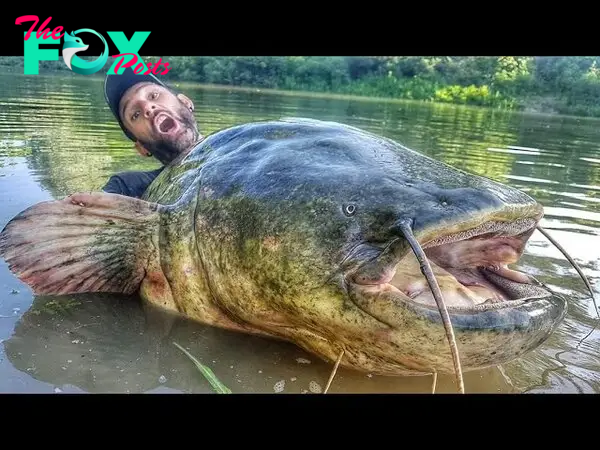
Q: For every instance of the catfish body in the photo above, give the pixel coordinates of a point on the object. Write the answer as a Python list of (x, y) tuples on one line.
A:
[(283, 229)]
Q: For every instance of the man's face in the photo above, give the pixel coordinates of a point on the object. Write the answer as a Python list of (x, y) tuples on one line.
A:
[(162, 122)]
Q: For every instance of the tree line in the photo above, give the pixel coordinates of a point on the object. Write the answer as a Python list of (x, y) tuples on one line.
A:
[(565, 85)]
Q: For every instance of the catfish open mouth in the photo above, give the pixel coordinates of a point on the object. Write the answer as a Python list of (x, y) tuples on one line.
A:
[(471, 269)]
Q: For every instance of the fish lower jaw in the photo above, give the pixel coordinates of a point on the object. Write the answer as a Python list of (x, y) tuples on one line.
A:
[(426, 300), (454, 302), (472, 290)]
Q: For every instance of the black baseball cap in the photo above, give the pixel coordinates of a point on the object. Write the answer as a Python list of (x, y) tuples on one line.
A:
[(115, 85)]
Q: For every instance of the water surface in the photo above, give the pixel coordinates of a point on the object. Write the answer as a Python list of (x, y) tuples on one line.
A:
[(57, 137)]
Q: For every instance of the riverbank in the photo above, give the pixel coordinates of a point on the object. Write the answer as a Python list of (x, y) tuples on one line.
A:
[(537, 85)]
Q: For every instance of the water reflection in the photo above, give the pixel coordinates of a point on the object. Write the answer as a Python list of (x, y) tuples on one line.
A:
[(57, 137), (101, 343)]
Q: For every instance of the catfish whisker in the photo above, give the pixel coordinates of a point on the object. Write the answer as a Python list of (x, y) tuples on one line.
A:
[(437, 295), (334, 371), (573, 263)]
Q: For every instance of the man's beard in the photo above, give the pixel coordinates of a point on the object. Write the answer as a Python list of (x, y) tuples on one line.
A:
[(165, 150)]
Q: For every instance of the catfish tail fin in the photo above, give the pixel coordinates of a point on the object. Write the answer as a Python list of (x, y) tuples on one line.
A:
[(87, 242)]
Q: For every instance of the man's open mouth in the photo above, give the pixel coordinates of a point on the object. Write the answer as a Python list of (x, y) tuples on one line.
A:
[(165, 124), (471, 269)]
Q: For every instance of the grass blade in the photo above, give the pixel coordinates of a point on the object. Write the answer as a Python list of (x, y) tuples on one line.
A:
[(219, 387)]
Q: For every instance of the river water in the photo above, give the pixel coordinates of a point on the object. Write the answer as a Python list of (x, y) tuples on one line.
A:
[(57, 137)]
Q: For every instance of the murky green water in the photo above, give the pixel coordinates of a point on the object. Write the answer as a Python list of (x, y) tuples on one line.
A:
[(57, 137)]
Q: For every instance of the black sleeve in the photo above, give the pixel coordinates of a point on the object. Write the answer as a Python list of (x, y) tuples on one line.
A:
[(131, 184)]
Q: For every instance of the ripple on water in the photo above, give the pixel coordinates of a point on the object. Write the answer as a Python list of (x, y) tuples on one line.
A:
[(530, 179)]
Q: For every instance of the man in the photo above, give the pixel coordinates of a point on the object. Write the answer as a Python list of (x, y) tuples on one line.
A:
[(159, 120)]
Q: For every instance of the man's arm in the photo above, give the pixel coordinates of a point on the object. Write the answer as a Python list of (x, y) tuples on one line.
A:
[(131, 184)]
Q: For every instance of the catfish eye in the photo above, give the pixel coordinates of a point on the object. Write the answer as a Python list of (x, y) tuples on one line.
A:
[(349, 210)]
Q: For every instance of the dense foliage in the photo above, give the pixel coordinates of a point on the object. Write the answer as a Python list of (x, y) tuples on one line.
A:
[(568, 85)]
